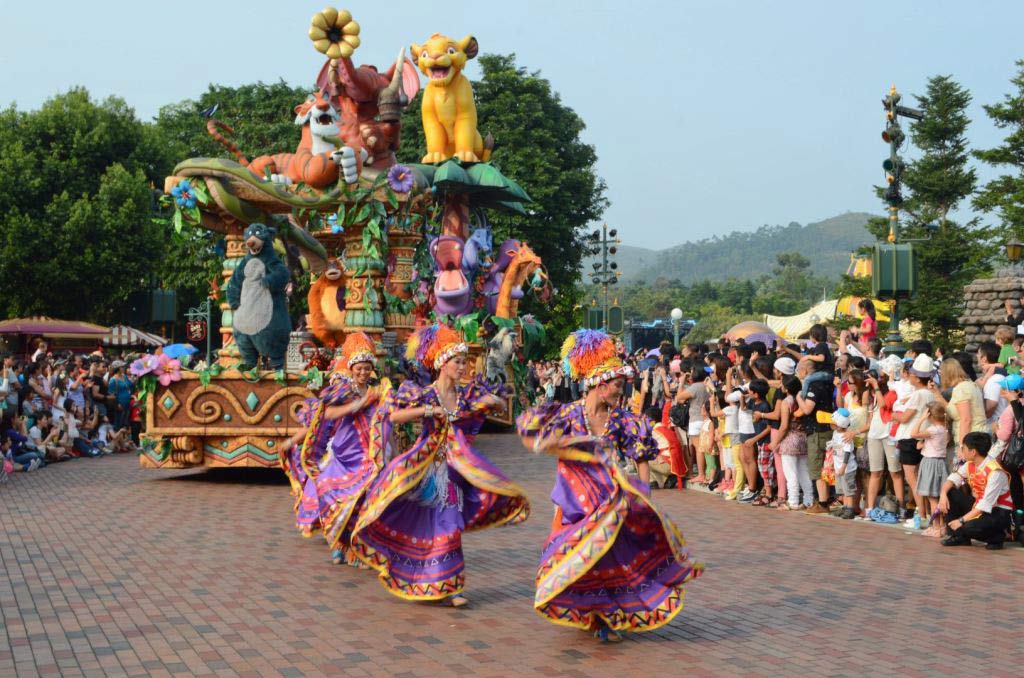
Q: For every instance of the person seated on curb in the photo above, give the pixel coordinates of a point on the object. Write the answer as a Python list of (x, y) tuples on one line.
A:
[(46, 438), (981, 510)]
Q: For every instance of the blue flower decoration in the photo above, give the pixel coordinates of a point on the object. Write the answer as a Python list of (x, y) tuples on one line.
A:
[(183, 194), (332, 221)]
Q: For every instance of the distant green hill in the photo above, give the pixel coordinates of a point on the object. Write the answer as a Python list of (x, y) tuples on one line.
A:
[(749, 254)]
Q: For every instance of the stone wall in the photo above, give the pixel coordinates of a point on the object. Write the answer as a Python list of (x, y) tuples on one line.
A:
[(984, 308)]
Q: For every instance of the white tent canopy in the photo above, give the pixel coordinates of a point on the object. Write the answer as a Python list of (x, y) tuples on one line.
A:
[(792, 326), (122, 335)]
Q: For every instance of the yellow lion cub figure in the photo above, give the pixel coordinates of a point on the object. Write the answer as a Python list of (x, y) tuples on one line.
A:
[(449, 112)]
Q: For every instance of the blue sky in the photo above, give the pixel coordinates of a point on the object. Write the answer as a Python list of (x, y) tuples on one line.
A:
[(707, 117)]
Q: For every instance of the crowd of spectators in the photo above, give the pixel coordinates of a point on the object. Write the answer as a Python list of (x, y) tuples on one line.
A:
[(60, 406), (930, 440)]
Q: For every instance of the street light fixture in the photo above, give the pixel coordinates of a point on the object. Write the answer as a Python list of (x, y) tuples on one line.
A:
[(676, 315), (1014, 250)]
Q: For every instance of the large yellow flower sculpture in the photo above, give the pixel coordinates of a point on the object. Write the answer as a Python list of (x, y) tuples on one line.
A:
[(334, 33)]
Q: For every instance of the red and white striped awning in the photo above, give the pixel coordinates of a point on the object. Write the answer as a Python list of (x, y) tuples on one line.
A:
[(122, 335)]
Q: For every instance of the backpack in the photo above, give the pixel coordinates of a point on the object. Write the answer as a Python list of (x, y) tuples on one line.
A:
[(680, 416), (1013, 456)]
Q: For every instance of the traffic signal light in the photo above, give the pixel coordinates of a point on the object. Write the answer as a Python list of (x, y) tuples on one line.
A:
[(894, 136)]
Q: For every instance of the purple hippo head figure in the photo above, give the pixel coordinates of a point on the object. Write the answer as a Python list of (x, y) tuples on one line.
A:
[(451, 288)]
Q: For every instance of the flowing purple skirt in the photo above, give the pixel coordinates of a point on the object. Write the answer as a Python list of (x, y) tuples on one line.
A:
[(411, 527), (343, 478), (612, 557)]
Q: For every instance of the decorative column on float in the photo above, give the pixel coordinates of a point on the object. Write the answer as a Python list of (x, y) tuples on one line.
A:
[(402, 244), (364, 275)]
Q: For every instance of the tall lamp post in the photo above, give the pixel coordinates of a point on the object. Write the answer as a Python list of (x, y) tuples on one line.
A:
[(677, 315), (605, 273), (894, 166)]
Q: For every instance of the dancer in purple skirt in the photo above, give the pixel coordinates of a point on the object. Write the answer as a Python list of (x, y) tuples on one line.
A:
[(335, 451), (612, 562), (411, 527)]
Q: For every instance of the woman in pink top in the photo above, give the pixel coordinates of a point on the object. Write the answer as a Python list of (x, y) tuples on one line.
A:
[(869, 325)]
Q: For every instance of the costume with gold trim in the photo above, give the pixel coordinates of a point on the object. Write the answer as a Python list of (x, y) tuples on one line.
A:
[(612, 557), (411, 528), (335, 454)]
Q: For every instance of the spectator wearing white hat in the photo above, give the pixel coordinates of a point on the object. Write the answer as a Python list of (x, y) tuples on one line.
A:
[(844, 462), (919, 374)]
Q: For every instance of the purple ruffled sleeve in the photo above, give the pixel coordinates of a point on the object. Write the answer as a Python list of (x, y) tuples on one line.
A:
[(544, 420), (409, 394), (632, 434), (334, 394), (475, 391)]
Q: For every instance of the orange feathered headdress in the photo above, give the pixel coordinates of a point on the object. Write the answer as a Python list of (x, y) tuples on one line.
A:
[(435, 345), (590, 355), (358, 348)]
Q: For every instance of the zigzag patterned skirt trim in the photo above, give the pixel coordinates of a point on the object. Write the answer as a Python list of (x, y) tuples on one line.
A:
[(624, 564), (345, 474), (416, 547)]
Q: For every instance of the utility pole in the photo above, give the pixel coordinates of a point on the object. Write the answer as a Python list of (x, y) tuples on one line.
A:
[(605, 274), (894, 166)]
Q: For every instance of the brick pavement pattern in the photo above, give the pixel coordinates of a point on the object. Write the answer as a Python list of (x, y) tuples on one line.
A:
[(113, 570)]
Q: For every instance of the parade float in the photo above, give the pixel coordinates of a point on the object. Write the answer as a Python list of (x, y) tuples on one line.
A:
[(389, 246)]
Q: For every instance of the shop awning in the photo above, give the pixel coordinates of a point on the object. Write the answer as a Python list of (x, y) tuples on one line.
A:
[(52, 327), (123, 335)]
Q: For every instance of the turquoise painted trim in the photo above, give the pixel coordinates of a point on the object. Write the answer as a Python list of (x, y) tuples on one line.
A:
[(238, 451)]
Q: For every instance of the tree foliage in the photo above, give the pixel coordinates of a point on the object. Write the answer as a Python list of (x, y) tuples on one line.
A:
[(538, 145), (791, 288), (1004, 195), (260, 115), (76, 235), (953, 254)]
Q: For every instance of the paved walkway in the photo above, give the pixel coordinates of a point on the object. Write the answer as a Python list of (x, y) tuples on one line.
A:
[(114, 570)]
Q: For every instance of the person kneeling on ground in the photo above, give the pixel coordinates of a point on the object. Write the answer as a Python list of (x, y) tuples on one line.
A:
[(985, 515)]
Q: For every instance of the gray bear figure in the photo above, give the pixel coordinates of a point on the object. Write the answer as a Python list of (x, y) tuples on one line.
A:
[(259, 305)]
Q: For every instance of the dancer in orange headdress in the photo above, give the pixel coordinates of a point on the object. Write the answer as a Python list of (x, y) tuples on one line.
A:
[(335, 451), (612, 562), (411, 528)]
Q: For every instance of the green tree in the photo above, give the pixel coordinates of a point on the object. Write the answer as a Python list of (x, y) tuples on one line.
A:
[(260, 115), (791, 288), (1004, 195), (538, 144), (937, 183), (76, 235), (262, 120), (714, 320)]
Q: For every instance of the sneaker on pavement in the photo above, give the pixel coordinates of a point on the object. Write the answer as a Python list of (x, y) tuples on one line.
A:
[(816, 509)]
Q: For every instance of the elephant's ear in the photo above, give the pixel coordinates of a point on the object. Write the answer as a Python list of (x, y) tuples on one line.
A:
[(410, 79), (323, 80)]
